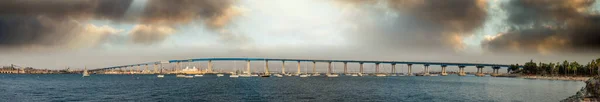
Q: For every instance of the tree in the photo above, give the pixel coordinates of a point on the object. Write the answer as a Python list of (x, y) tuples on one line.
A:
[(573, 66), (565, 66), (530, 67)]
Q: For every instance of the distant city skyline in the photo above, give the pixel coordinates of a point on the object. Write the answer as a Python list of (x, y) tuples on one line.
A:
[(55, 34)]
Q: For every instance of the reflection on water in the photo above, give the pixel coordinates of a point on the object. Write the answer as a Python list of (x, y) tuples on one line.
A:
[(73, 87)]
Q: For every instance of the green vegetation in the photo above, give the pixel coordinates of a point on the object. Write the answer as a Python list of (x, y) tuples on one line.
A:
[(565, 68)]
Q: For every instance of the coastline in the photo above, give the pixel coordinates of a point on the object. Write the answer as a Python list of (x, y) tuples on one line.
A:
[(565, 78)]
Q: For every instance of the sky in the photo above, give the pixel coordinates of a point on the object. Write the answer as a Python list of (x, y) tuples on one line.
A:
[(55, 34)]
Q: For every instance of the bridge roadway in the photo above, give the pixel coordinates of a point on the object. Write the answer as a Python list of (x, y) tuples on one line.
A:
[(461, 66)]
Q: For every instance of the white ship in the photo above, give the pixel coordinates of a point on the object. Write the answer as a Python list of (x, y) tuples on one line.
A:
[(332, 75), (303, 75), (234, 76), (220, 75), (278, 75), (198, 75), (160, 76), (380, 75)]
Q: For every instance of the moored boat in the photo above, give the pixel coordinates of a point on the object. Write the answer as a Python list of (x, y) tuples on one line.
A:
[(160, 76), (332, 75)]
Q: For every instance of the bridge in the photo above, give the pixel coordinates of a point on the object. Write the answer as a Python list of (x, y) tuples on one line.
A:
[(426, 65)]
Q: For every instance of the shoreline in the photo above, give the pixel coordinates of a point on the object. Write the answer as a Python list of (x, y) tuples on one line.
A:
[(564, 78)]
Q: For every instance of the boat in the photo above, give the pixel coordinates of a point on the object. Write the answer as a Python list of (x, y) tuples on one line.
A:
[(220, 75), (380, 75), (359, 74), (316, 74), (265, 75), (198, 75), (332, 75), (433, 75), (303, 75), (160, 76), (278, 75), (353, 74), (254, 75), (85, 73), (188, 76), (180, 76), (234, 76)]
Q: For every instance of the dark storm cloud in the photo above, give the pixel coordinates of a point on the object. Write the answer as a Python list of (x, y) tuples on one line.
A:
[(146, 34), (542, 26), (52, 22), (425, 25), (215, 13), (21, 25)]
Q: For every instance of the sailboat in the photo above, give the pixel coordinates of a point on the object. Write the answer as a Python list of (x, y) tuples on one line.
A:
[(85, 72), (234, 75), (160, 75)]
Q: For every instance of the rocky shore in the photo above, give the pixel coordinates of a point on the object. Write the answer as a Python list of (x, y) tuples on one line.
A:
[(556, 78), (589, 93)]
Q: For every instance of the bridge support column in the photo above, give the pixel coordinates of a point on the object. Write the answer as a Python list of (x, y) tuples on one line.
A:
[(409, 69), (495, 71), (376, 68), (177, 67), (361, 70), (209, 70), (394, 68), (444, 70), (248, 67), (314, 70), (267, 67), (155, 68), (479, 71), (146, 69), (298, 68), (329, 71), (345, 67), (461, 71), (131, 70), (282, 67), (426, 73)]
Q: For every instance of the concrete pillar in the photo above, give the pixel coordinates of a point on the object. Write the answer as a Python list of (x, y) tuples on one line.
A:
[(155, 68), (461, 71), (444, 70), (282, 67), (266, 67), (298, 68), (345, 67), (329, 71), (361, 67), (130, 69), (426, 69), (248, 66), (376, 68), (394, 68), (409, 69), (479, 71), (209, 70), (176, 67), (314, 67), (146, 69)]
